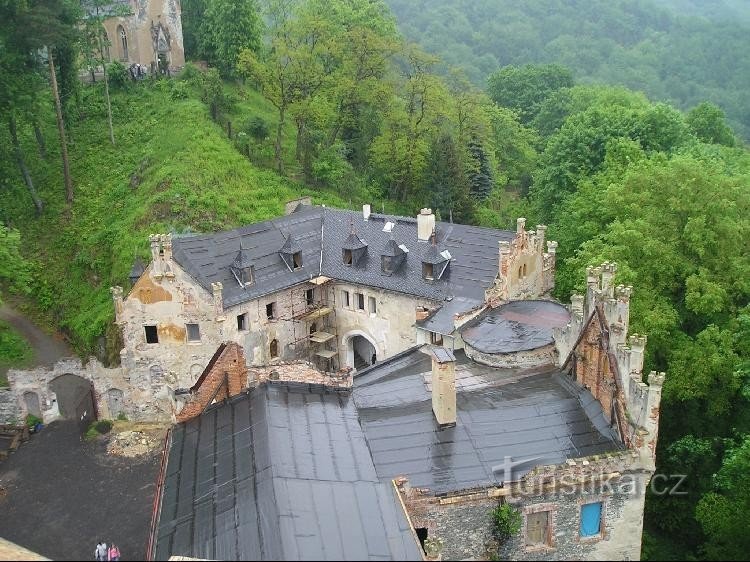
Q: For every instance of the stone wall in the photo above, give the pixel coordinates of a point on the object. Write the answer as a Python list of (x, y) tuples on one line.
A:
[(9, 409), (462, 522), (542, 356), (144, 36), (525, 270)]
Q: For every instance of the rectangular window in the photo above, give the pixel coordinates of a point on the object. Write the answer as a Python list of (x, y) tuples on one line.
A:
[(152, 336), (297, 259), (271, 310), (310, 297), (591, 519), (345, 295), (537, 528), (373, 306), (242, 322), (347, 257), (427, 271), (360, 301), (436, 339), (193, 332)]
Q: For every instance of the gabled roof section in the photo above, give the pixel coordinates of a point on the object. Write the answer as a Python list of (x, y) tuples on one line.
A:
[(353, 242), (392, 249), (291, 246)]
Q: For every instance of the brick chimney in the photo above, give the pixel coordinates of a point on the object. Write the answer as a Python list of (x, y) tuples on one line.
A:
[(443, 386), (425, 224)]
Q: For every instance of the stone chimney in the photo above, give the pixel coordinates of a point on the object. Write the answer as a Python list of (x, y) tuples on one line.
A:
[(443, 386), (366, 211), (425, 224), (155, 241)]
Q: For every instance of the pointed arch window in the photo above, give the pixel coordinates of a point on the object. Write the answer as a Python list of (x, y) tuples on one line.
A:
[(123, 42)]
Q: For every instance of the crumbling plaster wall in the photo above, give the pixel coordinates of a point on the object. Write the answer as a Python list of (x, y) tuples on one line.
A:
[(391, 328)]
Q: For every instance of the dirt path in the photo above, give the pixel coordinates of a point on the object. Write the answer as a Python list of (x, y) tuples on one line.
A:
[(47, 349)]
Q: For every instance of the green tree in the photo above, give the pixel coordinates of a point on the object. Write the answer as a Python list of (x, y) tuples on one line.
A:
[(14, 269), (227, 28), (479, 172), (708, 122), (446, 183), (524, 89)]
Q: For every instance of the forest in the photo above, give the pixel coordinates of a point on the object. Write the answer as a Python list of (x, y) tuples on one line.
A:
[(627, 143), (682, 52)]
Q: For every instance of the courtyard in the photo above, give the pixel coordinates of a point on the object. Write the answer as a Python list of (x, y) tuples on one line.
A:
[(60, 495)]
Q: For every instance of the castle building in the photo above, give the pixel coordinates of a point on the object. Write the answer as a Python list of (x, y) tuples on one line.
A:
[(151, 35), (360, 385)]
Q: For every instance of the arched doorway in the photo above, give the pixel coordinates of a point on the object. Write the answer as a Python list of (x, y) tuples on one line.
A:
[(361, 351), (31, 399), (75, 399)]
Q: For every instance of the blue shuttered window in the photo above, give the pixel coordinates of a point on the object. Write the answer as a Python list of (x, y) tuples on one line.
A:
[(591, 519)]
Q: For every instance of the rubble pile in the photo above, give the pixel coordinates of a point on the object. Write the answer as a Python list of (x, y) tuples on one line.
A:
[(131, 444)]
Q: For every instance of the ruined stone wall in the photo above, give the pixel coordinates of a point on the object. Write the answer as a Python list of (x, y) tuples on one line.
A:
[(391, 328), (10, 412), (462, 522), (141, 29), (140, 398), (546, 355), (525, 270)]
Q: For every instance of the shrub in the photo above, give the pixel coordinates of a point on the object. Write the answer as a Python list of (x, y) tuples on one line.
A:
[(507, 522), (32, 420), (190, 73), (118, 74), (179, 91), (257, 128), (122, 417), (103, 426)]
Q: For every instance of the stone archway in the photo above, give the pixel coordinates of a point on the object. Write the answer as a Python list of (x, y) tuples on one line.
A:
[(75, 398), (361, 350)]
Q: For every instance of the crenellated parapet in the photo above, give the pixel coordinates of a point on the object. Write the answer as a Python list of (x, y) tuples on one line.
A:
[(525, 269), (603, 357)]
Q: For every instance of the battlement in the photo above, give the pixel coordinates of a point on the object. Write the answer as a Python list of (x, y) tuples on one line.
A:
[(525, 269)]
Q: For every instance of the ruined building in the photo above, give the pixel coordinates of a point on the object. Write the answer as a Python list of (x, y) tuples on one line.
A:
[(358, 385), (151, 35)]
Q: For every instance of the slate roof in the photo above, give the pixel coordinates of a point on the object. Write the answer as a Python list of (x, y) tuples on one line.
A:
[(528, 418), (320, 233), (281, 473)]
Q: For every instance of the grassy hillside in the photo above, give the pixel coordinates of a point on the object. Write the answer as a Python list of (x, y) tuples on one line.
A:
[(172, 169)]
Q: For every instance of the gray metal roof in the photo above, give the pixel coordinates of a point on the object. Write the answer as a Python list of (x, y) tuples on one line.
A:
[(508, 422), (515, 326), (320, 232), (442, 321), (282, 473)]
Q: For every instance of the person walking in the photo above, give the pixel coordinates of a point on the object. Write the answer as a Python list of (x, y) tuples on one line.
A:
[(100, 552), (114, 552)]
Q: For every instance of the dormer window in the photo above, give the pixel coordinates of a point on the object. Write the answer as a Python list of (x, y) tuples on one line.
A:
[(246, 275), (354, 250), (435, 262), (291, 253), (387, 264), (427, 271), (242, 268), (347, 257), (393, 256)]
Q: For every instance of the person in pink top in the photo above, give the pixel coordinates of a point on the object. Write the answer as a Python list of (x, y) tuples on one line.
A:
[(113, 553)]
